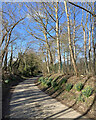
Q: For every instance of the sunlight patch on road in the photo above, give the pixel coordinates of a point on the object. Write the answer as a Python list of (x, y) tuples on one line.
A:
[(29, 101)]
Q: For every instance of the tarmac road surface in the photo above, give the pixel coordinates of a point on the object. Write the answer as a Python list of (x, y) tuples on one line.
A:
[(28, 101)]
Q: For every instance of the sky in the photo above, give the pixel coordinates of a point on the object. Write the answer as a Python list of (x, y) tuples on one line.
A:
[(23, 36)]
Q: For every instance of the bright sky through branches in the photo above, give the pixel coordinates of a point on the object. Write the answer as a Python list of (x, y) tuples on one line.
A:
[(24, 38)]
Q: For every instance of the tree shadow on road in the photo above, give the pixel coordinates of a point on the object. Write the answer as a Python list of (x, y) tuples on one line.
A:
[(6, 96), (29, 99), (61, 112)]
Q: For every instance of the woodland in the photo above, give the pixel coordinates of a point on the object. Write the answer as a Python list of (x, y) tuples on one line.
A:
[(56, 40)]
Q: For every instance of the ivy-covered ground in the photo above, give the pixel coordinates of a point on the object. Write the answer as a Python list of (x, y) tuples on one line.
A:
[(78, 92)]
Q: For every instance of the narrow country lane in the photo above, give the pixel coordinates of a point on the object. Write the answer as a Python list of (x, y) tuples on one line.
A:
[(28, 101)]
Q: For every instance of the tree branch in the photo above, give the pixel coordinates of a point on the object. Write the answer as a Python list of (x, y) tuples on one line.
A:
[(94, 15)]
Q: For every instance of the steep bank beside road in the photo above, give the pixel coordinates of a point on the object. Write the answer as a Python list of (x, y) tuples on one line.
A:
[(81, 103)]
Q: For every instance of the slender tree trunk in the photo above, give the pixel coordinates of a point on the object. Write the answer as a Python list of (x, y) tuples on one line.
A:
[(87, 70), (50, 54), (47, 62), (11, 58), (57, 37), (48, 50), (5, 62), (85, 40), (85, 53), (67, 62), (74, 37), (95, 34), (47, 44), (90, 45), (69, 38), (54, 57), (6, 53), (25, 62), (70, 64), (64, 63), (46, 58), (93, 45), (9, 37)]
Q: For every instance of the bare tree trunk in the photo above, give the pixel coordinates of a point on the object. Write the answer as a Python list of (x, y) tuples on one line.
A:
[(86, 65), (47, 63), (9, 37), (64, 63), (5, 62), (74, 37), (70, 64), (48, 50), (57, 37), (85, 41), (47, 44), (11, 58), (93, 45), (67, 62), (87, 70), (54, 57), (69, 38), (90, 45), (50, 54), (6, 53), (95, 35), (25, 65), (46, 58)]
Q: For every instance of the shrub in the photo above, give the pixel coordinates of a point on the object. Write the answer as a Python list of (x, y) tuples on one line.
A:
[(78, 86), (46, 78), (49, 83), (13, 78), (40, 79), (54, 83), (43, 81), (69, 87), (95, 90), (80, 98), (64, 80), (87, 91), (56, 78), (56, 88), (50, 79)]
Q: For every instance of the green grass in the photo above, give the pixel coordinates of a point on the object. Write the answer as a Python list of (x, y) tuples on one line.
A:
[(79, 86), (80, 98), (68, 87), (63, 80), (87, 91), (54, 84)]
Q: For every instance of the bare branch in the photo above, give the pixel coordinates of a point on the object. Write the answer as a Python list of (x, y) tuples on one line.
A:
[(94, 15), (35, 36)]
